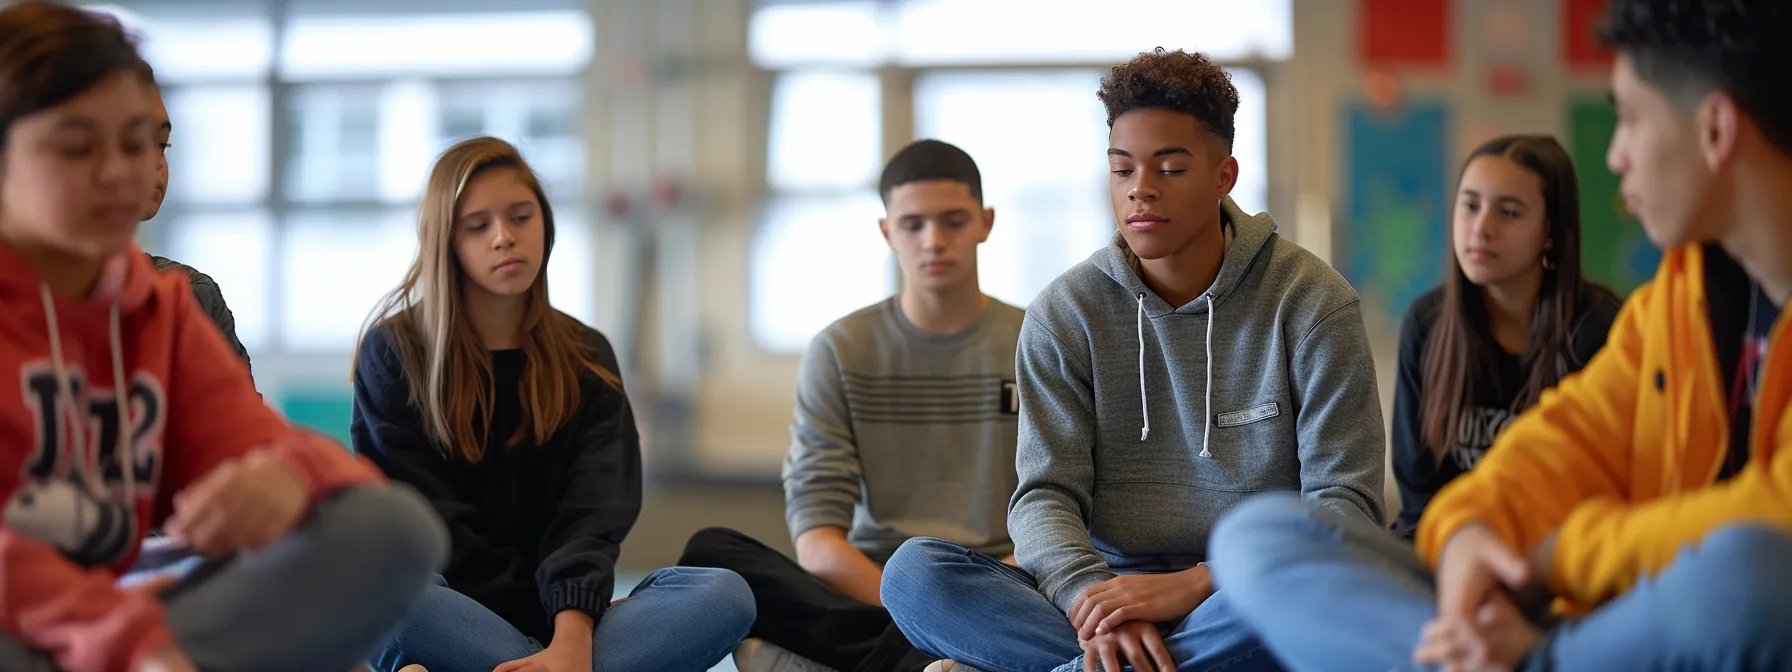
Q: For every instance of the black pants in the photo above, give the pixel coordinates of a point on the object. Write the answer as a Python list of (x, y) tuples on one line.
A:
[(800, 613)]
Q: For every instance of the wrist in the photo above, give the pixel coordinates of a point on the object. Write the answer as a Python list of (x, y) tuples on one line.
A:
[(574, 629)]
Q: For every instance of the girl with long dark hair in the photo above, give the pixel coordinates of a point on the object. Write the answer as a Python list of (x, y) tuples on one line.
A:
[(1513, 316)]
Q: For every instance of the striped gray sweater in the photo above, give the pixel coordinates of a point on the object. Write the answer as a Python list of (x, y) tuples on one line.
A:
[(900, 433)]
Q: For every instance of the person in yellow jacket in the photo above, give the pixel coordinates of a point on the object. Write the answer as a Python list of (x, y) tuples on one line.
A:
[(1651, 494)]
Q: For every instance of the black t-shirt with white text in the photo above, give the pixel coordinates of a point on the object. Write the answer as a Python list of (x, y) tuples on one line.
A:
[(1418, 473)]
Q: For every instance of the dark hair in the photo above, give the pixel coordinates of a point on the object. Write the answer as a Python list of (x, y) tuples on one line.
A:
[(1689, 47), (1182, 81), (1459, 355), (930, 160), (51, 52)]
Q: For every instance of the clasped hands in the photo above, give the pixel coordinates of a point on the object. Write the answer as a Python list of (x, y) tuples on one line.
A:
[(1479, 626), (1118, 617)]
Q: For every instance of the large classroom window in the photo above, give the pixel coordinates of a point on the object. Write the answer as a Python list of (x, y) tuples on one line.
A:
[(302, 141), (992, 76)]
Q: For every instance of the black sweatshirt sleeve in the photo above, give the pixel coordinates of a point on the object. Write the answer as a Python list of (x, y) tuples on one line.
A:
[(212, 298), (389, 432), (1415, 467), (602, 501)]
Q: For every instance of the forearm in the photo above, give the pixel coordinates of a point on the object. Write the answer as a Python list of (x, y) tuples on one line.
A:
[(1052, 543), (573, 629), (825, 552)]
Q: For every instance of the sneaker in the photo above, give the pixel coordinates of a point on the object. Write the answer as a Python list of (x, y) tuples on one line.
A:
[(758, 655)]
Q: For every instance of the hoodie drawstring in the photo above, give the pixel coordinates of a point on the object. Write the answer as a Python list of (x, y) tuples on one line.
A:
[(65, 401), (1207, 422), (1144, 404), (1144, 401)]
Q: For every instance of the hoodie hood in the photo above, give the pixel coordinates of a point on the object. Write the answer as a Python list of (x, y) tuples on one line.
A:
[(127, 280), (1245, 236)]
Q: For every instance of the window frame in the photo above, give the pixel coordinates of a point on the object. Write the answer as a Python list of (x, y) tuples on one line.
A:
[(278, 203), (898, 88)]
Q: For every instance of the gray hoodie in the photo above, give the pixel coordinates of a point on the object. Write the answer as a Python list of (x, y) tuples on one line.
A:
[(1140, 422)]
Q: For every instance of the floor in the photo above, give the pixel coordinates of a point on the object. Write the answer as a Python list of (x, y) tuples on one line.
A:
[(671, 515)]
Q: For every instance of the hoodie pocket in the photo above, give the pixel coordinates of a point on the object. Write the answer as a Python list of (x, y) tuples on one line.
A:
[(1250, 449), (1247, 416)]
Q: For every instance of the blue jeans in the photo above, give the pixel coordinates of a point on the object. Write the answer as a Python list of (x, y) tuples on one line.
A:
[(322, 598), (677, 619), (959, 604), (1363, 596)]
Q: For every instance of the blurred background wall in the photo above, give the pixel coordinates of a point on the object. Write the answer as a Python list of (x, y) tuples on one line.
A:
[(712, 165)]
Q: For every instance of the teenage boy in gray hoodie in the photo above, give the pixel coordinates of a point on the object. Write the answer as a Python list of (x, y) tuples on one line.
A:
[(1197, 359)]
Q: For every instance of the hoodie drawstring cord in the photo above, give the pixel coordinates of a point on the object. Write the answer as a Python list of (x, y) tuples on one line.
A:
[(1144, 405), (1207, 422), (121, 396), (65, 401)]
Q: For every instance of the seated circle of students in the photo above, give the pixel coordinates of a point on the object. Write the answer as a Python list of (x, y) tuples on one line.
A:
[(511, 419), (905, 426), (205, 289), (1638, 517), (1512, 318), (1197, 358), (128, 412)]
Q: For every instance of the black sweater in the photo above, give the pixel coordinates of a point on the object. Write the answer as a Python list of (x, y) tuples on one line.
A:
[(1417, 471), (535, 530)]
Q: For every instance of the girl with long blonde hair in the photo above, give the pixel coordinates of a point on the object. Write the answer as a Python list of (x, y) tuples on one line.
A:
[(509, 416)]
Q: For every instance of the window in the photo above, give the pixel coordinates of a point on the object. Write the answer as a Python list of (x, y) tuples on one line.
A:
[(821, 257), (1030, 32), (825, 131), (455, 45), (540, 117), (333, 150), (219, 151), (334, 267), (1034, 126), (306, 225), (1044, 171), (235, 248), (823, 159)]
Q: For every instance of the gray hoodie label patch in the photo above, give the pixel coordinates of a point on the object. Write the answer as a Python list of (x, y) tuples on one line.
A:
[(1247, 416)]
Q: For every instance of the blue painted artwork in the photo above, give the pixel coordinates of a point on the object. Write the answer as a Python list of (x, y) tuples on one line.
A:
[(1398, 183)]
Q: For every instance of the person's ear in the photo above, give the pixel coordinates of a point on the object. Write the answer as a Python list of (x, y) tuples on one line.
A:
[(1225, 176), (989, 224), (883, 226), (1719, 124)]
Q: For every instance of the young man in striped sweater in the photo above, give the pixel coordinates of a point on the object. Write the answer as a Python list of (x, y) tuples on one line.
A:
[(905, 426)]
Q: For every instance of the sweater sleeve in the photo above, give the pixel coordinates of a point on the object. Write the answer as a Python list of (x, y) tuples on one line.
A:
[(1415, 466), (1055, 461), (822, 471), (388, 432), (1342, 443), (603, 499)]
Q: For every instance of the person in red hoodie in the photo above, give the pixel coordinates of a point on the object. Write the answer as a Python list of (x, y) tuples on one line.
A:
[(127, 412)]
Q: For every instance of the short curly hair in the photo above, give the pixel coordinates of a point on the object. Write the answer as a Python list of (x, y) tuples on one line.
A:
[(1687, 48), (1187, 82)]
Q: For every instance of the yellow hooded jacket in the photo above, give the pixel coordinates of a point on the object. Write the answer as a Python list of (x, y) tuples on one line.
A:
[(1621, 461)]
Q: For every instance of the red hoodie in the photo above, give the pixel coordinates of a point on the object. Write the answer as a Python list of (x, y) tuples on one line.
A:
[(192, 405)]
